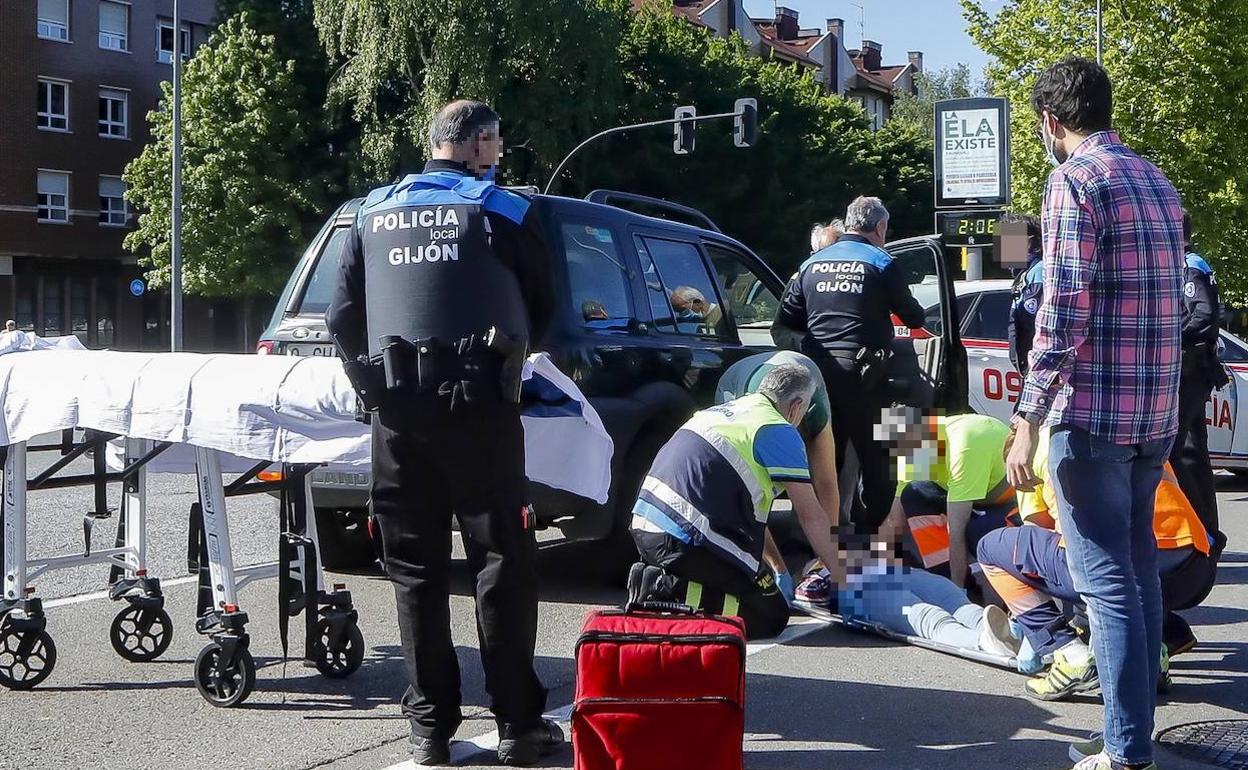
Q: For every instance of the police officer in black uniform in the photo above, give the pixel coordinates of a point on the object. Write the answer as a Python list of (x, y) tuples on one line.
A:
[(443, 284), (840, 302), (1201, 372), (1025, 294)]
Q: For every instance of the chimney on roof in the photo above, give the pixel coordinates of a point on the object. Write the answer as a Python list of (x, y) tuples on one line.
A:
[(786, 23), (871, 54), (916, 58), (837, 28)]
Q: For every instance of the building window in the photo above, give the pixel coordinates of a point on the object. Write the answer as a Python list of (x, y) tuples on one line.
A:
[(112, 201), (24, 310), (52, 106), (105, 293), (164, 41), (53, 196), (113, 113), (114, 26), (53, 20), (52, 310), (80, 309)]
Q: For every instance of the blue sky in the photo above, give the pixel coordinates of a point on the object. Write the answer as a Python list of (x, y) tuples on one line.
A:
[(934, 27)]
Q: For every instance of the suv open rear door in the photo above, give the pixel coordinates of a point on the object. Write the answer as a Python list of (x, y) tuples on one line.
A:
[(928, 370)]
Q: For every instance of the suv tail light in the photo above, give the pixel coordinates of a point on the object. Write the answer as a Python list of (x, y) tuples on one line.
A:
[(264, 347)]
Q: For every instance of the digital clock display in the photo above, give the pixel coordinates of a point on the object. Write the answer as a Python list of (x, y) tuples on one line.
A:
[(967, 228)]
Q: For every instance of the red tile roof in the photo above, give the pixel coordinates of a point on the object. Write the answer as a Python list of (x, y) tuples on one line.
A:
[(892, 72), (789, 49)]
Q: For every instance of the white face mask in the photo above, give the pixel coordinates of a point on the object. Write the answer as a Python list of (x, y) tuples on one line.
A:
[(1050, 141)]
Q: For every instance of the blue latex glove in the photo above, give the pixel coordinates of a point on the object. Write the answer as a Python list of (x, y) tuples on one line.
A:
[(784, 581), (1027, 659)]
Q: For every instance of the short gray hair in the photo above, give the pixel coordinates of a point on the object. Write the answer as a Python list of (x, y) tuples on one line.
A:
[(865, 214), (460, 121), (787, 383)]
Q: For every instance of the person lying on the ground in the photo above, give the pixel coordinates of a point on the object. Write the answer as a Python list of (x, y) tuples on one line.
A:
[(743, 378), (701, 517), (952, 488), (881, 590), (1027, 567)]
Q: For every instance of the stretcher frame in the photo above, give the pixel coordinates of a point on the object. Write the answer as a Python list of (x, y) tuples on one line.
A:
[(863, 626), (224, 671)]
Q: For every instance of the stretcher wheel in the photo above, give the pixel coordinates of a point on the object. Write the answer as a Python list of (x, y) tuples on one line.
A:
[(141, 634), (340, 660), (26, 657), (228, 687)]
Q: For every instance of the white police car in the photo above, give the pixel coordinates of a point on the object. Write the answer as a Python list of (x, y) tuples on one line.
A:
[(984, 308)]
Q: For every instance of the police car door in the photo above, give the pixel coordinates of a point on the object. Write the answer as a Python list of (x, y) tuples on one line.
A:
[(928, 370), (995, 383)]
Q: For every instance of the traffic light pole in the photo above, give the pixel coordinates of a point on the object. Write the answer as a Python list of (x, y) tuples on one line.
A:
[(623, 129)]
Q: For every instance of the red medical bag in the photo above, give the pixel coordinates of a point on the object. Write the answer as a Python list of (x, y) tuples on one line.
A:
[(659, 691)]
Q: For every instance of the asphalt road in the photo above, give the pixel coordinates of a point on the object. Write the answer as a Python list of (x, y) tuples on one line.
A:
[(823, 698)]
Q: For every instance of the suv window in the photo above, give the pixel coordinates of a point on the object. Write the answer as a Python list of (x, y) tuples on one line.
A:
[(682, 294), (320, 287), (991, 318), (931, 317), (751, 302), (597, 275)]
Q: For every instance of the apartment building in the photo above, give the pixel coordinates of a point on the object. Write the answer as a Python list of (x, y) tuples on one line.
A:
[(77, 79)]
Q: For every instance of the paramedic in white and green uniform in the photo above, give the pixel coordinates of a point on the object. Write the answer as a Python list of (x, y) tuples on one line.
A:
[(700, 519)]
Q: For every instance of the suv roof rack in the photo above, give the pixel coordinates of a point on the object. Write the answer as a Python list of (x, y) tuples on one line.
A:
[(606, 197)]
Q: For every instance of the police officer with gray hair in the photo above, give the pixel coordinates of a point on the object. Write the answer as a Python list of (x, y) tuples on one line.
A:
[(443, 284), (840, 302)]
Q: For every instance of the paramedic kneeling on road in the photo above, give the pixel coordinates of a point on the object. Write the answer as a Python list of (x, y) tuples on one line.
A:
[(443, 282), (743, 378), (952, 488), (700, 519)]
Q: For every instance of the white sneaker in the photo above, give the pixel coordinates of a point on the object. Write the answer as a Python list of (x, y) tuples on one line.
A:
[(994, 633)]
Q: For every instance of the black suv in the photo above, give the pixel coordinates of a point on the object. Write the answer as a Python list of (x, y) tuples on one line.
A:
[(644, 365)]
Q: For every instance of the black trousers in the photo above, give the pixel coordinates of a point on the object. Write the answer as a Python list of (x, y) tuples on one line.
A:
[(430, 463), (855, 412), (1190, 455), (760, 603)]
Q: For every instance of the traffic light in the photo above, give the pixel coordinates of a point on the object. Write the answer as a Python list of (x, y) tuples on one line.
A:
[(745, 124), (684, 139)]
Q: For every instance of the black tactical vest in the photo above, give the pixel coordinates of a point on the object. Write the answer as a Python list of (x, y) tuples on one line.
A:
[(429, 264)]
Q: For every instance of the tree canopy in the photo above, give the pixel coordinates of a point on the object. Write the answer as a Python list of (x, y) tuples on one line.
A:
[(259, 169), (1180, 74), (956, 82)]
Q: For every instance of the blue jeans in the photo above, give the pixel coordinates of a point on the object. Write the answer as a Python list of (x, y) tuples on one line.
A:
[(915, 603), (1105, 497)]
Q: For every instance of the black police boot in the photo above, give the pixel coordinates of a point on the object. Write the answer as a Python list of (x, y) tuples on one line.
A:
[(523, 748), (430, 751)]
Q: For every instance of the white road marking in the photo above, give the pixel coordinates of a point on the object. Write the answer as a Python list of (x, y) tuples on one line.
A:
[(265, 569), (486, 743)]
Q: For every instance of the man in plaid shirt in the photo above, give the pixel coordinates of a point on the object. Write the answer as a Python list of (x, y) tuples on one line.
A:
[(1105, 375)]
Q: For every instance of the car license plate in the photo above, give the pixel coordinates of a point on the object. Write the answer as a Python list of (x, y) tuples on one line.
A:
[(307, 349), (342, 478)]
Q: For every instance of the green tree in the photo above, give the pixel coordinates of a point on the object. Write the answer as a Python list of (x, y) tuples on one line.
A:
[(815, 152), (956, 82), (1179, 69), (549, 69), (246, 189)]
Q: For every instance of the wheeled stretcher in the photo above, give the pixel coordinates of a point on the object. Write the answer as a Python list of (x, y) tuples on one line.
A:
[(211, 415)]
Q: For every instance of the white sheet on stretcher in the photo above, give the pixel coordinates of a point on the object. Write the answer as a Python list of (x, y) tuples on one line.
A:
[(277, 408)]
